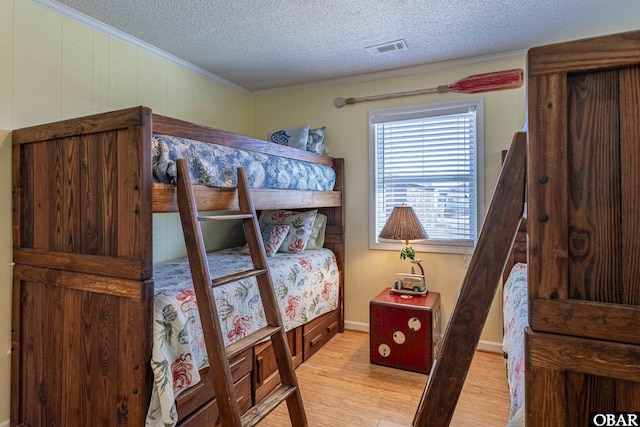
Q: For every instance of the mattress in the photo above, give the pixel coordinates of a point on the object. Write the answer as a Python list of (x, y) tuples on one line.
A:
[(516, 318), (216, 165), (306, 286)]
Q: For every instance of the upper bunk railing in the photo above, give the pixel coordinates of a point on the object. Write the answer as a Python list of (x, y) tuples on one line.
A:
[(83, 190)]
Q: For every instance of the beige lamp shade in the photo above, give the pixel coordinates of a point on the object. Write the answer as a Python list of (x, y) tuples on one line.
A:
[(403, 224)]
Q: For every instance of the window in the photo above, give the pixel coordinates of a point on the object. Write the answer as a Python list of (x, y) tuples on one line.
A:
[(427, 157)]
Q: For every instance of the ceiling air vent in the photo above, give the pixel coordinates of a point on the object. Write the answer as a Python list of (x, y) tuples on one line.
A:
[(387, 47)]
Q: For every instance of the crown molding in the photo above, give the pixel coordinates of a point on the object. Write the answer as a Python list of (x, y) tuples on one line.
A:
[(94, 24), (398, 72)]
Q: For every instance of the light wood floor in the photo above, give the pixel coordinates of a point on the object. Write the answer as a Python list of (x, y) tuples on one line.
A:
[(340, 388)]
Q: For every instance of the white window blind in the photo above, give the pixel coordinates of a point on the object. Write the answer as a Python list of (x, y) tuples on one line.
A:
[(427, 158)]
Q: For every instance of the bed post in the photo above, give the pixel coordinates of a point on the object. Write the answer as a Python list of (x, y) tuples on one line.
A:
[(334, 236), (83, 293)]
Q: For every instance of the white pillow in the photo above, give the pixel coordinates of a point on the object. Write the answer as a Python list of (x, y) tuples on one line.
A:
[(315, 143), (316, 239), (292, 137)]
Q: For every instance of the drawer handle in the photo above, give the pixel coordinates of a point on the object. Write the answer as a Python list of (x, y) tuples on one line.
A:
[(259, 378), (331, 327), (315, 340)]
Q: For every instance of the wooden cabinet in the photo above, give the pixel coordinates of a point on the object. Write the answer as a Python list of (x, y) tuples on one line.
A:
[(404, 330), (583, 190)]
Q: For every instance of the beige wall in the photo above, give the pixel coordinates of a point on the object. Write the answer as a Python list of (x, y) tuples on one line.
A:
[(53, 68), (369, 271)]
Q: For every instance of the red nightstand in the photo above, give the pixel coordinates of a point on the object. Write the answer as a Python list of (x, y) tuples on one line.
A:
[(404, 331)]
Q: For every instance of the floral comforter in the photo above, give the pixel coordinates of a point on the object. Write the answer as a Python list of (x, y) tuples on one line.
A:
[(306, 286), (216, 166), (516, 319)]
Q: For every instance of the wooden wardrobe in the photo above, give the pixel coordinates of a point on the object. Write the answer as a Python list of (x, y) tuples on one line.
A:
[(583, 345)]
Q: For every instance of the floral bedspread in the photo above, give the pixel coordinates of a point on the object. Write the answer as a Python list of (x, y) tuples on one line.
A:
[(216, 166), (516, 319), (306, 286)]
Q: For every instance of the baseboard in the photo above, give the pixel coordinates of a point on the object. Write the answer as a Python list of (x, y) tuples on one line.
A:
[(4, 424), (353, 326), (488, 346)]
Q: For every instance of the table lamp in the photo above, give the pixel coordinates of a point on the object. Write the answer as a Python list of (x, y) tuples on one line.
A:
[(403, 224)]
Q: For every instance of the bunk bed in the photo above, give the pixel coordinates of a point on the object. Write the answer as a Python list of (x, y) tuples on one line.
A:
[(571, 294), (583, 343), (84, 195)]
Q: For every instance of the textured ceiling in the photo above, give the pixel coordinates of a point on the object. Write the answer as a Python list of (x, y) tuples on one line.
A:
[(263, 44)]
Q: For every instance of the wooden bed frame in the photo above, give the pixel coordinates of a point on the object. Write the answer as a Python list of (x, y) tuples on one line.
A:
[(583, 345), (83, 199)]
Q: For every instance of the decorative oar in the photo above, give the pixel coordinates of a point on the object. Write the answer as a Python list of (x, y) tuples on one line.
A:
[(497, 80)]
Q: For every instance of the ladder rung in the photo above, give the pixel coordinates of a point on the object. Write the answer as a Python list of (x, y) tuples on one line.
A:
[(276, 396), (250, 340), (224, 217), (237, 276)]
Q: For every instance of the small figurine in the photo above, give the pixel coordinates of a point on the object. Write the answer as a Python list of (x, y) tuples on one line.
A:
[(411, 284)]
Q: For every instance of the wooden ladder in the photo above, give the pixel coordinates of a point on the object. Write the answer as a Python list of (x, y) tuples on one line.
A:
[(474, 300), (218, 355)]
